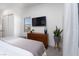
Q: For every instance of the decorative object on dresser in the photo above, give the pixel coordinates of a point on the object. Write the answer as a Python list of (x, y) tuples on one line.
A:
[(39, 37), (45, 30), (32, 30)]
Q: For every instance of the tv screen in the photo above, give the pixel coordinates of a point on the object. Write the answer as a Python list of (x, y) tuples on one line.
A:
[(39, 21)]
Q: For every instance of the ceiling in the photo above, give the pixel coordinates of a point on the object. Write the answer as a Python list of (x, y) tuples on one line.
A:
[(15, 5), (19, 6), (10, 5)]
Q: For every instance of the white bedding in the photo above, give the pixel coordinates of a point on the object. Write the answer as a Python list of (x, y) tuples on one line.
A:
[(35, 47), (9, 50)]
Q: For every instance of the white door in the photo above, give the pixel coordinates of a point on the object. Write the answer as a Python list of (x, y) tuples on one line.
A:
[(5, 26), (0, 27), (8, 25), (11, 25)]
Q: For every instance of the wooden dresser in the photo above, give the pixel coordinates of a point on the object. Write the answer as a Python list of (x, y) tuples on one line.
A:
[(39, 37)]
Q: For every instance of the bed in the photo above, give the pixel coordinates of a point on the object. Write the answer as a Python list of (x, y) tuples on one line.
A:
[(10, 50), (34, 47)]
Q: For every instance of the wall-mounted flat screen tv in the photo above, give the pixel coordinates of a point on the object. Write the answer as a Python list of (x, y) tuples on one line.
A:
[(39, 21)]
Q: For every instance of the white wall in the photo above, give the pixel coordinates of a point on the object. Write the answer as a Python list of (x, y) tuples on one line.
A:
[(54, 14)]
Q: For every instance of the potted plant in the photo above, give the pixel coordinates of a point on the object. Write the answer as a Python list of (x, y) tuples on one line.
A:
[(57, 36)]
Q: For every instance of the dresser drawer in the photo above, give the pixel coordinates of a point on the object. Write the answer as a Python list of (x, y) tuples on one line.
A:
[(39, 37)]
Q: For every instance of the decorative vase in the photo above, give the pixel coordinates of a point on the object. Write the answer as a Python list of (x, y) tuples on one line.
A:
[(31, 31), (57, 41), (45, 30)]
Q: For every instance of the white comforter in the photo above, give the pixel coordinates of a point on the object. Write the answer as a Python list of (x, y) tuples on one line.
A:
[(35, 47), (9, 50)]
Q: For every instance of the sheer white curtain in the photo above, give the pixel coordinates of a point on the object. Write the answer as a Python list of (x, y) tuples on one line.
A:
[(70, 41)]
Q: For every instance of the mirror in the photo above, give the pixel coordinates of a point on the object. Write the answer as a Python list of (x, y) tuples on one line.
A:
[(27, 24)]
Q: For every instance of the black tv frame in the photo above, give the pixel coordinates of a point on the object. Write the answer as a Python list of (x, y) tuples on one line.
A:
[(38, 24)]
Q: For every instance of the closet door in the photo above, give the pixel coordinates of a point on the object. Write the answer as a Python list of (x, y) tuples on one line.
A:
[(0, 27), (11, 25), (8, 25), (5, 26)]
